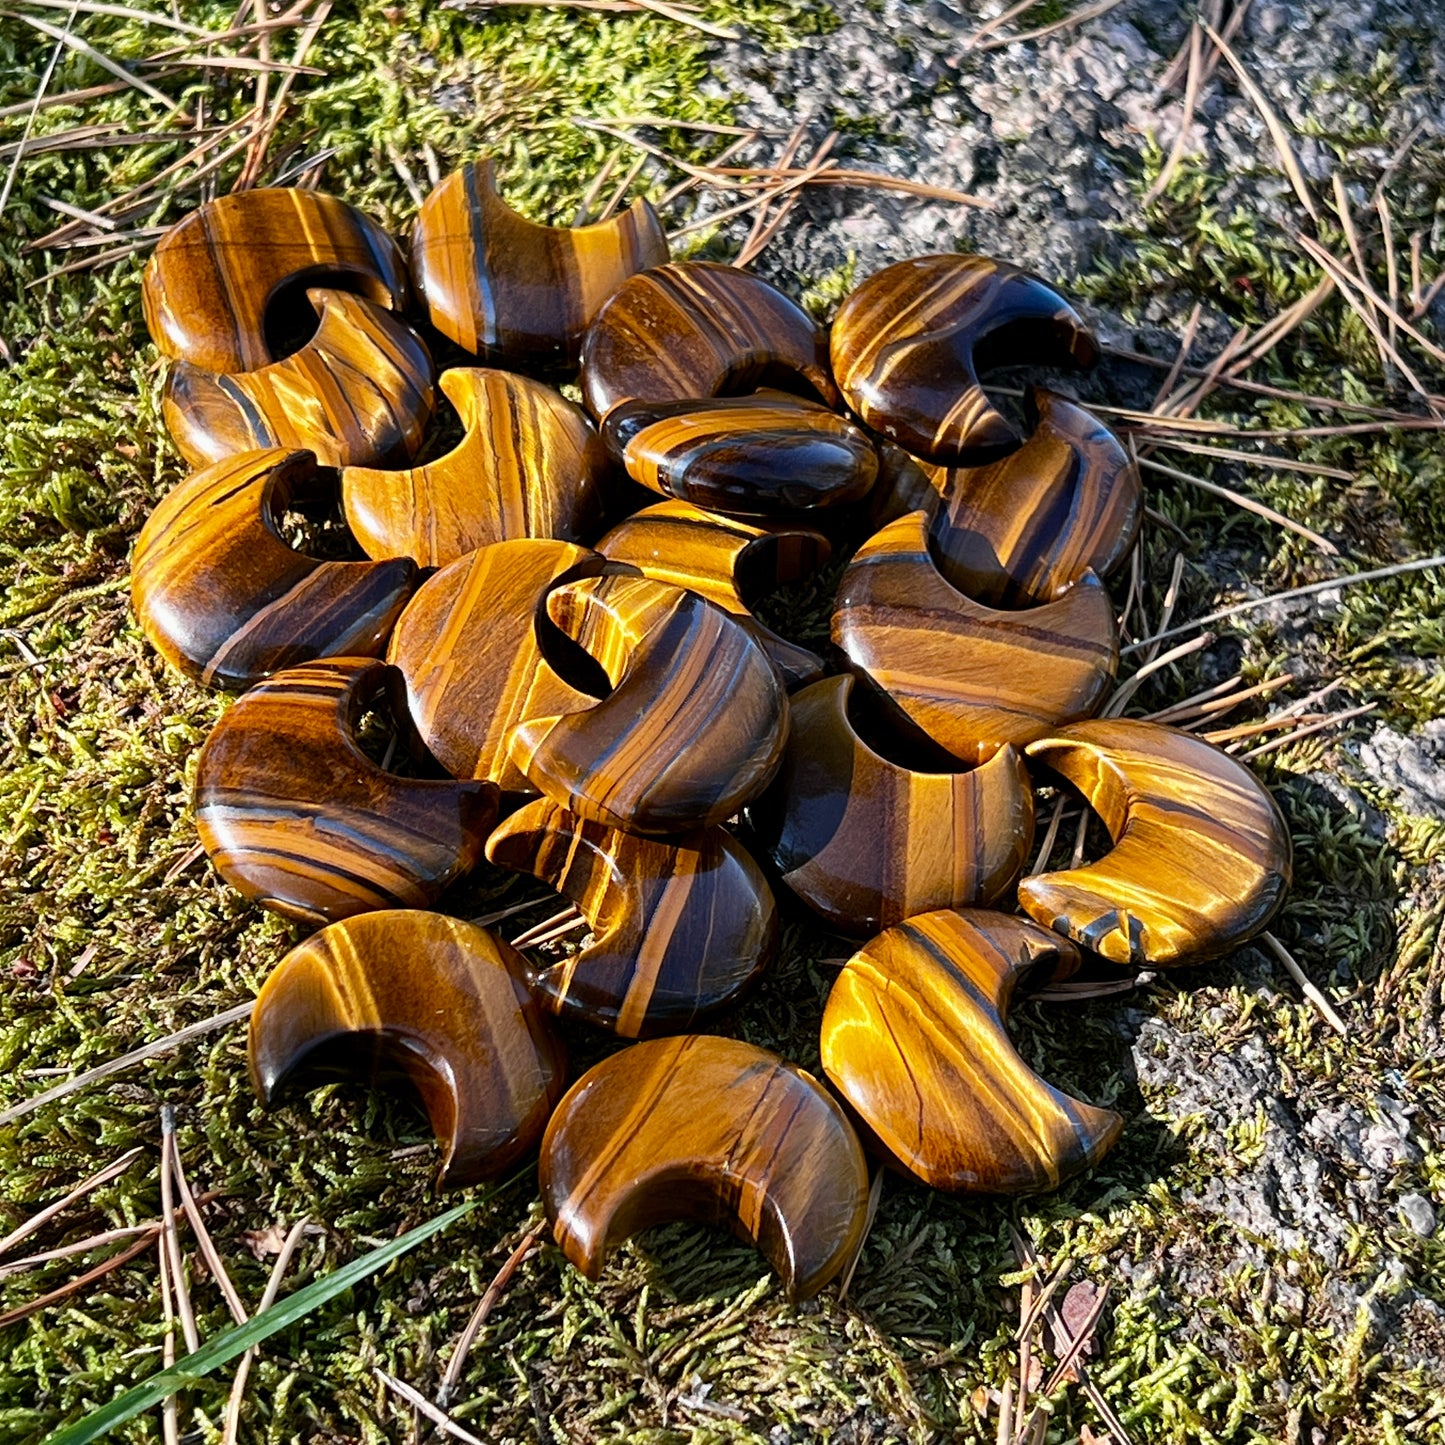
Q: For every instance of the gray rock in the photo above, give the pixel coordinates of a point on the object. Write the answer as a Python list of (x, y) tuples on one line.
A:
[(1068, 114), (1419, 1214), (1412, 768)]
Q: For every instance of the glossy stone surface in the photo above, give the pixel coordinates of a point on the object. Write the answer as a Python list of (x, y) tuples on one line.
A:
[(729, 562), (516, 293), (695, 329), (769, 454), (224, 598), (297, 818), (914, 1039), (694, 726), (1201, 858), (1021, 530), (904, 485), (707, 1129), (359, 392), (865, 842), (528, 465), (969, 677), (212, 276), (679, 927), (468, 648), (429, 999), (909, 343)]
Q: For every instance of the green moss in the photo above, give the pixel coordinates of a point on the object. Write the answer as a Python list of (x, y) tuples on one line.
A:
[(110, 933)]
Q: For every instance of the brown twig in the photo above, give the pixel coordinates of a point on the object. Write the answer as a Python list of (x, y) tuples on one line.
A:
[(656, 7), (1252, 604), (1126, 689), (1046, 848), (1347, 224), (1078, 1342), (487, 1303), (1211, 703), (1081, 990), (1220, 736), (1171, 600), (171, 1237), (1326, 1009), (692, 182), (511, 911), (37, 1221), (589, 199), (125, 12), (1392, 269), (1246, 503), (1000, 20), (847, 177), (668, 122), (44, 85), (136, 1056), (567, 919), (560, 931), (622, 188), (1267, 461), (268, 1298), (81, 1246), (209, 1252), (1181, 357), (1370, 295), (72, 41), (762, 199), (764, 228), (193, 854), (760, 221), (1069, 22), (434, 1413), (170, 1426), (1186, 119), (1318, 726), (76, 1285), (256, 156), (1134, 597), (1272, 122)]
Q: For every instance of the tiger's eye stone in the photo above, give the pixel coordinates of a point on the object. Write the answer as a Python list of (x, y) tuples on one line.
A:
[(212, 276), (914, 1039), (694, 726), (359, 392), (224, 598), (769, 454), (469, 650), (529, 465), (1201, 858), (729, 562), (707, 1129), (297, 818), (1023, 529), (679, 928), (909, 343), (904, 485), (695, 329), (970, 678), (865, 842), (430, 1000), (515, 293)]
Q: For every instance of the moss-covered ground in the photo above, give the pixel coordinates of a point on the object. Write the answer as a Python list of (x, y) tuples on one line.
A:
[(112, 932)]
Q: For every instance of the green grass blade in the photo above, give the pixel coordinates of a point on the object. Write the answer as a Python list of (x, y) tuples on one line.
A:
[(240, 1338)]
